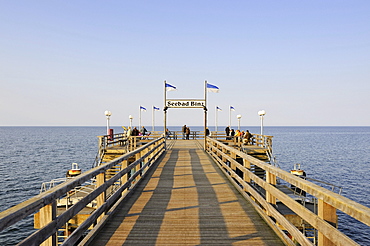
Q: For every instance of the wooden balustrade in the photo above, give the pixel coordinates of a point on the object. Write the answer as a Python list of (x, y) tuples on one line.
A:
[(46, 201), (328, 200)]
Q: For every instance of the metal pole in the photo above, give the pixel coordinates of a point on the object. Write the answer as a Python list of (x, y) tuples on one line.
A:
[(140, 118), (205, 114), (165, 111), (216, 119), (153, 118), (261, 124), (107, 125), (229, 115)]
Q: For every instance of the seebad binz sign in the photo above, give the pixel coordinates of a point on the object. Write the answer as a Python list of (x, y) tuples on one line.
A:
[(185, 103)]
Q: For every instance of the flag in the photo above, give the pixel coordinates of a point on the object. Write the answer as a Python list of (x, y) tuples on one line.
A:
[(155, 108), (142, 108), (170, 87), (212, 88), (218, 108), (232, 108)]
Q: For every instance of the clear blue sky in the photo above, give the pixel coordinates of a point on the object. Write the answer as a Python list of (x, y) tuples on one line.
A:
[(63, 63)]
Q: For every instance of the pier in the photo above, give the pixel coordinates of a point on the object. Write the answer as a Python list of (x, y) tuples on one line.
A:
[(186, 200), (208, 190)]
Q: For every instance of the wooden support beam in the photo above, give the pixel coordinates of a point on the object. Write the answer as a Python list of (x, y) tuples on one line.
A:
[(47, 215), (124, 178), (329, 214), (271, 179), (100, 179), (247, 165)]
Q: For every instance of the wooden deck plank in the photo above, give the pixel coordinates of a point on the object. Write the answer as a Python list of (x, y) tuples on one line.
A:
[(186, 201)]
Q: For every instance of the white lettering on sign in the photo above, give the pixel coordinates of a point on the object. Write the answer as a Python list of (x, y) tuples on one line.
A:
[(181, 103)]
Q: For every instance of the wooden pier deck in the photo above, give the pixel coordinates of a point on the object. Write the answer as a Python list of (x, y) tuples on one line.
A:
[(186, 200)]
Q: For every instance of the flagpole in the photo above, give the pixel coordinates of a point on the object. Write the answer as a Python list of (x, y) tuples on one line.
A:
[(164, 111), (205, 114), (152, 118), (139, 117), (229, 115), (216, 119)]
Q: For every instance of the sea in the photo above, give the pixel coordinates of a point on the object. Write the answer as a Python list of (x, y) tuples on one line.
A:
[(30, 156)]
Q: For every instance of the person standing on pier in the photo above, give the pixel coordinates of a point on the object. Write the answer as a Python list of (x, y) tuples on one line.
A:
[(187, 132), (135, 132), (227, 130), (183, 131), (247, 137), (232, 133), (128, 133), (143, 131)]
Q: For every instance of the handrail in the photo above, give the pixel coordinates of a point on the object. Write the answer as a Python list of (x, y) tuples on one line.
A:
[(355, 210), (151, 152)]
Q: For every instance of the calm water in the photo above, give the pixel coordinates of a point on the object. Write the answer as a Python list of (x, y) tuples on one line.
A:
[(32, 155)]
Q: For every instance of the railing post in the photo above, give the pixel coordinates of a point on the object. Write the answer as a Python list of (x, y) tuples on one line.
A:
[(225, 152), (329, 214), (124, 178), (247, 165), (47, 215), (138, 157), (146, 159), (100, 200), (271, 179)]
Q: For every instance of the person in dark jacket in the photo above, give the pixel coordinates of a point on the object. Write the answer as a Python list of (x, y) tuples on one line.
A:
[(183, 131), (232, 133), (187, 131), (135, 132), (227, 130)]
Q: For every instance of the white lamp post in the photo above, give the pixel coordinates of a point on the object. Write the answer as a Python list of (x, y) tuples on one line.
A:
[(131, 118), (239, 116), (108, 114), (261, 113)]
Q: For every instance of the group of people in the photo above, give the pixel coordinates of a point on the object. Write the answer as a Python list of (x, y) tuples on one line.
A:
[(185, 132), (246, 136), (136, 132)]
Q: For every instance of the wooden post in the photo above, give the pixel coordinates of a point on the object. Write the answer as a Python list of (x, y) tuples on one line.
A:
[(146, 159), (271, 179), (137, 157), (329, 214), (47, 215), (233, 156), (124, 178), (225, 152), (247, 165), (100, 179)]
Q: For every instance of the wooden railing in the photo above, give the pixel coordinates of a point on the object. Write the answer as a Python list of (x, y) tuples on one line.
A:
[(328, 201), (133, 166)]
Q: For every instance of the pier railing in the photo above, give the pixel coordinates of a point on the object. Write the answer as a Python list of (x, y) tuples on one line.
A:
[(134, 165), (121, 140), (237, 166)]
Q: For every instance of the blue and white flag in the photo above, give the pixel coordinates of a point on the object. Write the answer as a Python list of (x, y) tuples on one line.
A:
[(232, 108), (170, 87), (155, 108), (142, 108), (212, 88), (218, 108)]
